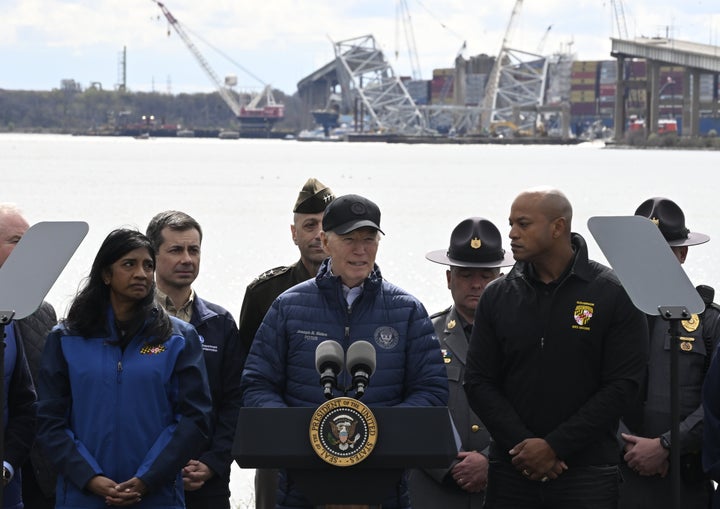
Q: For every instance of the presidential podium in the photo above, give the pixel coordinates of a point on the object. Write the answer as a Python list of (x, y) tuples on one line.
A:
[(407, 437)]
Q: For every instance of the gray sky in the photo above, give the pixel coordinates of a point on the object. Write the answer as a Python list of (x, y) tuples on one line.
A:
[(281, 41)]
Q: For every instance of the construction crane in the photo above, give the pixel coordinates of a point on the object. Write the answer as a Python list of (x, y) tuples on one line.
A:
[(403, 14), (252, 117), (494, 78), (619, 15), (541, 44)]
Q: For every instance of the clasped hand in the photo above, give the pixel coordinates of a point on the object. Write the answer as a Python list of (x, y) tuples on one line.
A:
[(536, 460), (645, 455), (194, 475), (118, 494), (470, 473)]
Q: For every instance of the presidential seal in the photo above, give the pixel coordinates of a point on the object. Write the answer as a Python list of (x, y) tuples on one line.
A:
[(343, 431)]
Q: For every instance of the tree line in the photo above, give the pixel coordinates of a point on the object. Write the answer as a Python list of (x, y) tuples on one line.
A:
[(71, 110)]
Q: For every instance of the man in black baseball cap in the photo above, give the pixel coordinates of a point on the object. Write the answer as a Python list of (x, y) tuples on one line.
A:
[(348, 301), (647, 438), (261, 292), (474, 259), (349, 213)]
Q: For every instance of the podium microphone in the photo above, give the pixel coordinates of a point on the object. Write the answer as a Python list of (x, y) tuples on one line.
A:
[(361, 364), (329, 362)]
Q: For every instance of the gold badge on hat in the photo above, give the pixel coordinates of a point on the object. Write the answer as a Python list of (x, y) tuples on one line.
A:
[(475, 243), (655, 221), (691, 324)]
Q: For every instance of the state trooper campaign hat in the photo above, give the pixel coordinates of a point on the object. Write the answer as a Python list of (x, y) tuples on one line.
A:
[(474, 243), (313, 197), (350, 212), (669, 217)]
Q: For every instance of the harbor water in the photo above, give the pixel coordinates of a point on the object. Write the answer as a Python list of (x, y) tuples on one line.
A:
[(242, 192)]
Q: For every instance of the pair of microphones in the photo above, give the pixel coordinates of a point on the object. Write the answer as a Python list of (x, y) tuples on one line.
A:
[(360, 362)]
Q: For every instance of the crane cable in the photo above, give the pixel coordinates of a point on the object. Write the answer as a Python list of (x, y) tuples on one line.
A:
[(432, 15), (220, 52)]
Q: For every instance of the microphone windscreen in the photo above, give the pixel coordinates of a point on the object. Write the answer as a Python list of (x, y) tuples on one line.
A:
[(329, 352), (361, 353)]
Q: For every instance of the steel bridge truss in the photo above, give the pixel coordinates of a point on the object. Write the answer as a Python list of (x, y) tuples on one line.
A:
[(365, 76), (521, 84), (455, 119)]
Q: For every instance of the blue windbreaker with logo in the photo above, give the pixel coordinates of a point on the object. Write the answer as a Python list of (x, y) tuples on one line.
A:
[(138, 412)]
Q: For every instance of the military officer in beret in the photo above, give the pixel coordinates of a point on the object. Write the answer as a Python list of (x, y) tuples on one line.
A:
[(474, 257), (260, 294), (645, 429)]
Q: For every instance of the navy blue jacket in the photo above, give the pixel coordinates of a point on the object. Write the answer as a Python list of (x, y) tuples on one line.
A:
[(280, 369), (19, 415), (224, 359)]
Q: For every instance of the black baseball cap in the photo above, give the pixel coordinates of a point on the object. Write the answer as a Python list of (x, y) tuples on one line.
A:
[(350, 212)]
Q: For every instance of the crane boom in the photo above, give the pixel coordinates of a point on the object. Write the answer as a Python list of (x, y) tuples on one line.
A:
[(254, 118), (619, 11), (494, 77), (403, 12), (224, 92)]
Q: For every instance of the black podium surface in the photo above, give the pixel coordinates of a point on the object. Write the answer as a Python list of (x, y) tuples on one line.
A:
[(407, 437)]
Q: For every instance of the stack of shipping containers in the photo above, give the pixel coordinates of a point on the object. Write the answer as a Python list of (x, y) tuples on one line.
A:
[(607, 85), (583, 94), (441, 86)]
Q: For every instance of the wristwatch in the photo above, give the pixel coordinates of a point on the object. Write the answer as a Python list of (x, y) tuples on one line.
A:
[(664, 442), (6, 475)]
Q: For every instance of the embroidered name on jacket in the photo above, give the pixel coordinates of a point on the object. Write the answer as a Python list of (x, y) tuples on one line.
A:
[(313, 335), (582, 315), (152, 349)]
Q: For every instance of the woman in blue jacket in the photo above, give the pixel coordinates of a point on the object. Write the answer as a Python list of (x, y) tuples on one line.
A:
[(123, 397)]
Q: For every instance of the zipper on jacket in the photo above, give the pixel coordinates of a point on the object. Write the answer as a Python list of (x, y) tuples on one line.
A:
[(119, 371)]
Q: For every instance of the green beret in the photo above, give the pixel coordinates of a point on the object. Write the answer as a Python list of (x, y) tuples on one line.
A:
[(313, 197)]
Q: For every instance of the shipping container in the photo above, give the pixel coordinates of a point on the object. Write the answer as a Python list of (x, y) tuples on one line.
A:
[(578, 87), (608, 89), (587, 75), (475, 88), (608, 72), (441, 90), (635, 69), (443, 72), (419, 90), (582, 81), (584, 65), (581, 97), (584, 108)]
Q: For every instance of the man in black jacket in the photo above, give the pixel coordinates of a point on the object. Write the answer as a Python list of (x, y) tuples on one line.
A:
[(38, 475), (557, 352), (177, 238)]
